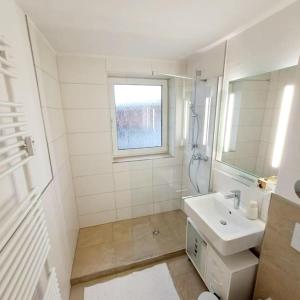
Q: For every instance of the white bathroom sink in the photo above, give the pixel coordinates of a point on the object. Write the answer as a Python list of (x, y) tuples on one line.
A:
[(226, 228)]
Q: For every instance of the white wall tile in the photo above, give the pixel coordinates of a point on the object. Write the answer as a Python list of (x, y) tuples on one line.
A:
[(89, 143), (166, 192), (58, 199), (58, 153), (141, 196), (93, 184), (70, 215), (98, 218), (95, 203), (81, 69), (132, 165), (141, 178), (44, 56), (121, 181), (169, 161), (169, 67), (123, 198), (49, 90), (54, 122), (167, 175), (87, 120), (165, 206), (120, 167), (63, 180), (119, 65), (124, 213), (79, 96), (91, 164), (142, 210)]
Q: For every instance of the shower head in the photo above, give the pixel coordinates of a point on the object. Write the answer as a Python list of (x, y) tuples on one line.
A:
[(198, 73)]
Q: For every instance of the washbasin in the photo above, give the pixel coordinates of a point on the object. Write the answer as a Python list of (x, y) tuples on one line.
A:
[(226, 228)]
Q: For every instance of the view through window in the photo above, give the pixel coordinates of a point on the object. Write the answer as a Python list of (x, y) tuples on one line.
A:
[(138, 110)]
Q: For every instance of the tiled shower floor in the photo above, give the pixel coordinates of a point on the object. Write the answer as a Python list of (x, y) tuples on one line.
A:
[(110, 248)]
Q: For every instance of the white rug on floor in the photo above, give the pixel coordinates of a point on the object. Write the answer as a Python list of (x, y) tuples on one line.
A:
[(154, 283)]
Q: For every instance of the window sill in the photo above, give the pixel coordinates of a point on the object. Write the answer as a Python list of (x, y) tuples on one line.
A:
[(142, 157)]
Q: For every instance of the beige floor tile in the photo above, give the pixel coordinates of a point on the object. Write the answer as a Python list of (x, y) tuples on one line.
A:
[(124, 252), (120, 243), (180, 265), (95, 235), (89, 260), (122, 231), (145, 248), (189, 285)]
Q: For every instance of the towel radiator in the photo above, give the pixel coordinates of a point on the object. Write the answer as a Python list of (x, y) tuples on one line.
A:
[(24, 241)]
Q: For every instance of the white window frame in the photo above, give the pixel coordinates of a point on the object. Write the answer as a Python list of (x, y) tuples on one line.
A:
[(142, 151)]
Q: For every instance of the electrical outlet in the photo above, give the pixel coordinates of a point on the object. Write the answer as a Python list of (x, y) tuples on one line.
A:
[(295, 243)]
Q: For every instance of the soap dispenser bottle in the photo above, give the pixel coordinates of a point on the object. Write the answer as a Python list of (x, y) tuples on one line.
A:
[(252, 211)]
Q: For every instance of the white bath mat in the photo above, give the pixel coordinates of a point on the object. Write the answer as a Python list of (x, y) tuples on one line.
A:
[(150, 284)]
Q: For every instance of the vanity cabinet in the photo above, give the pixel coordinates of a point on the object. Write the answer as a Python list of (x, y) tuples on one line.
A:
[(229, 277)]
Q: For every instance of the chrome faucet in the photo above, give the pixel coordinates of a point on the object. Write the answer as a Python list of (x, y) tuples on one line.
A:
[(236, 195)]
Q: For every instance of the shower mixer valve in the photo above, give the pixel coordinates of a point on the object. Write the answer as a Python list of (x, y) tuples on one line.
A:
[(200, 156)]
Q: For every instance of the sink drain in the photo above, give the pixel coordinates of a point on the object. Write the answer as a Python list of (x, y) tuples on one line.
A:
[(223, 222)]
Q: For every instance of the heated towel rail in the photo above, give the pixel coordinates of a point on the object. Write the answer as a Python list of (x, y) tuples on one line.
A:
[(24, 242)]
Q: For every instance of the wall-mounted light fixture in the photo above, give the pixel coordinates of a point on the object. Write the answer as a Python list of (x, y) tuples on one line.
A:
[(206, 121), (286, 104), (186, 110), (229, 119)]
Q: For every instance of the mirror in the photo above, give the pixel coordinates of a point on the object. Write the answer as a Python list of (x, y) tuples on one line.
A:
[(255, 115)]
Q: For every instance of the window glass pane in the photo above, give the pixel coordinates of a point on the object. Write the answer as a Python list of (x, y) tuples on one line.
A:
[(138, 116)]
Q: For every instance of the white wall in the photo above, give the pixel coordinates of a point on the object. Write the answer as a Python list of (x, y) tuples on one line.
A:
[(58, 199), (107, 191), (210, 62), (270, 45), (289, 171)]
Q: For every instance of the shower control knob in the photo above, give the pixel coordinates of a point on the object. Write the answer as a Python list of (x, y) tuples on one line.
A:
[(200, 156)]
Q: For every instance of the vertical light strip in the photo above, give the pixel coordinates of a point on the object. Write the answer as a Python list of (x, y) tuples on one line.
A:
[(206, 121), (186, 119), (285, 109), (147, 117), (230, 107), (153, 119)]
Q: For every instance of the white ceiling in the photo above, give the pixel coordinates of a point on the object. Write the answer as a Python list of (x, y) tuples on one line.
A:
[(143, 28)]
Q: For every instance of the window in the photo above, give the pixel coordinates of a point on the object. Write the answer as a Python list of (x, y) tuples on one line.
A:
[(139, 116)]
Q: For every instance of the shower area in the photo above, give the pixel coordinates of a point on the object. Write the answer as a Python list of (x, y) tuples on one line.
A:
[(105, 248), (199, 112)]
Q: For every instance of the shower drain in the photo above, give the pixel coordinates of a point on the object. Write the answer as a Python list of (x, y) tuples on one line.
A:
[(223, 222), (155, 232)]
